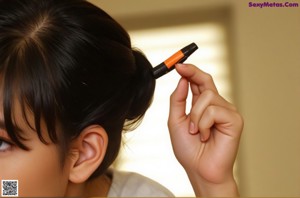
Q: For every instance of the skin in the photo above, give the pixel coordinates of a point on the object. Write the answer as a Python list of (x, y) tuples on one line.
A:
[(205, 141), (39, 171), (31, 168)]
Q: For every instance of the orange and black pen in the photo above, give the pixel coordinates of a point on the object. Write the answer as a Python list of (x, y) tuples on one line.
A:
[(169, 64)]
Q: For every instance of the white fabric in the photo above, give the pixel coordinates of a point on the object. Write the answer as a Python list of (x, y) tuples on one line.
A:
[(129, 184)]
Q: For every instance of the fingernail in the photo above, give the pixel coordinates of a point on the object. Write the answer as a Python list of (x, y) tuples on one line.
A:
[(192, 127), (180, 64), (202, 138)]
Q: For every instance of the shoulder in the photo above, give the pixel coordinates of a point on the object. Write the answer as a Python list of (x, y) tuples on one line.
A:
[(130, 184)]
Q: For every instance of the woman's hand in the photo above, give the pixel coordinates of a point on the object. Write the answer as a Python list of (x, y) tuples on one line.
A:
[(205, 141)]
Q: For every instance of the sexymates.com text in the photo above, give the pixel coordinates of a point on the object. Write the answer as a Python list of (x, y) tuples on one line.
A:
[(273, 5)]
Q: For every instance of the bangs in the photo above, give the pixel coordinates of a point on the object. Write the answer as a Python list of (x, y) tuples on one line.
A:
[(28, 80)]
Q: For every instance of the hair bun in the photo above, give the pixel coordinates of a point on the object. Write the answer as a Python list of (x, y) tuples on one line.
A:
[(143, 82)]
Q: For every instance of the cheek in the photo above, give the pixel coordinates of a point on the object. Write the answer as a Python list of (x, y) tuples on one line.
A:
[(38, 172)]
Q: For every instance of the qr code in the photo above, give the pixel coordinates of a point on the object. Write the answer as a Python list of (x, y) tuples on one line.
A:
[(9, 188)]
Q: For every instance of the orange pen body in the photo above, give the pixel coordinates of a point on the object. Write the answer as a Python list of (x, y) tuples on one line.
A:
[(169, 64), (174, 59)]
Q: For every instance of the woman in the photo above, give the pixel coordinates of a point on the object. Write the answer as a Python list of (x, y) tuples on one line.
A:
[(71, 83)]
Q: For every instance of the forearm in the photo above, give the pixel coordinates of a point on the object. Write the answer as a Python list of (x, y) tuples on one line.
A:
[(206, 189)]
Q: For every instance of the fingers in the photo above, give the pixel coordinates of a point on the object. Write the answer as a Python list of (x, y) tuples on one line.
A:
[(202, 80), (205, 96), (226, 121), (178, 102), (206, 99), (209, 110)]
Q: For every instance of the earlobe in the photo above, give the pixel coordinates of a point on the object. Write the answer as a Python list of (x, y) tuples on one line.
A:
[(88, 152)]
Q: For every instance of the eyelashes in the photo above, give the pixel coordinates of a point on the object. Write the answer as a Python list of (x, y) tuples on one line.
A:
[(5, 145)]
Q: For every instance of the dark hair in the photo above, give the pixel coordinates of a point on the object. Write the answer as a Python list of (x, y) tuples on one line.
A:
[(72, 66)]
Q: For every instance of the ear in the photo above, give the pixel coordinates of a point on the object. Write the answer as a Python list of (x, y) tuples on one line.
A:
[(87, 153)]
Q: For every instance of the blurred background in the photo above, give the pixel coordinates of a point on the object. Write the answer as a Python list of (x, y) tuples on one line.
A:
[(253, 55)]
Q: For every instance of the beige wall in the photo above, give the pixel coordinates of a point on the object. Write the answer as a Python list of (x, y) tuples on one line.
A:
[(265, 49), (267, 55)]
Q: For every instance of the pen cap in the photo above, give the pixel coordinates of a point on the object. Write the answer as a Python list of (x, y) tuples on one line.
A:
[(188, 50)]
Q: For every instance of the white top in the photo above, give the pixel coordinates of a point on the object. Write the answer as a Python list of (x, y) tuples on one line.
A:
[(129, 184)]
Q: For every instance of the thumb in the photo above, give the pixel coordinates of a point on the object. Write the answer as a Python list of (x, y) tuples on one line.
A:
[(178, 102)]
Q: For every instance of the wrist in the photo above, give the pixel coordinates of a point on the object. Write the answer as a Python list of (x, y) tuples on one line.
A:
[(203, 188)]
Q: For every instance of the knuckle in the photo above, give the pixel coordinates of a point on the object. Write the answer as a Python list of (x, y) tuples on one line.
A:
[(210, 111), (240, 121), (232, 107), (209, 94), (207, 77)]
